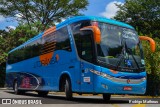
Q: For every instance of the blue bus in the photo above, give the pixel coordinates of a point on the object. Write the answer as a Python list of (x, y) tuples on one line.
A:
[(84, 54)]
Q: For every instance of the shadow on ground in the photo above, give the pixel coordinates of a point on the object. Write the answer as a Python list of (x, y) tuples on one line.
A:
[(57, 99)]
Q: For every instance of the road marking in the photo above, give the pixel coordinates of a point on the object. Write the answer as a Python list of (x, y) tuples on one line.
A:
[(116, 105), (139, 105), (136, 105)]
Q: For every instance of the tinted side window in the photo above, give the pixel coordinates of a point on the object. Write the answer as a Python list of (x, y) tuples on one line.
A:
[(86, 46), (84, 43), (62, 40), (28, 51), (58, 40)]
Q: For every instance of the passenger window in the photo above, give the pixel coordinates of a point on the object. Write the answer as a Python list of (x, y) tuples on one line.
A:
[(58, 40), (36, 47)]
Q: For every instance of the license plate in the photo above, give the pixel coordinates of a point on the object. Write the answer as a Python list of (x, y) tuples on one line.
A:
[(127, 88)]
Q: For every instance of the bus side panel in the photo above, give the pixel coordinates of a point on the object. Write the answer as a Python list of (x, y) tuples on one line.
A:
[(32, 75), (25, 80)]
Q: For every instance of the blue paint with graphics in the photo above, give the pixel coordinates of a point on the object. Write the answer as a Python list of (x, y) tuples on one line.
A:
[(48, 77)]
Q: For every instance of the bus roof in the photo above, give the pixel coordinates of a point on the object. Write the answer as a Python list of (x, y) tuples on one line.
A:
[(94, 18), (75, 19)]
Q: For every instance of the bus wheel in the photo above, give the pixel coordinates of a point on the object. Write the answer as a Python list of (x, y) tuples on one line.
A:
[(42, 93), (68, 90), (106, 97), (16, 90)]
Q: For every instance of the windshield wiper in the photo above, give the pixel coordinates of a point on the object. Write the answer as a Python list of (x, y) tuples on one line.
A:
[(123, 57), (133, 58)]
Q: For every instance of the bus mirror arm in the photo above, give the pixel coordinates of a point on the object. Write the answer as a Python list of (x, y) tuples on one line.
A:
[(96, 32), (151, 41)]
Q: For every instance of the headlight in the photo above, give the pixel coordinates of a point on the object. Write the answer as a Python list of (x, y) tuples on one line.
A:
[(101, 74)]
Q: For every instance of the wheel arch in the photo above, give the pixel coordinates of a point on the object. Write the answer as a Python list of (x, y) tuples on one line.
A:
[(62, 79)]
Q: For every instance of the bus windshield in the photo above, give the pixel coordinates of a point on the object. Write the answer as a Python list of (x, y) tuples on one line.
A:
[(120, 48)]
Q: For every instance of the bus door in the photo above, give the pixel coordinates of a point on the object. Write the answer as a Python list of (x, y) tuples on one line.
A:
[(86, 77), (86, 54)]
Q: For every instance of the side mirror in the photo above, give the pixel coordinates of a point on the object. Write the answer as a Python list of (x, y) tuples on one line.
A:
[(151, 41), (96, 32)]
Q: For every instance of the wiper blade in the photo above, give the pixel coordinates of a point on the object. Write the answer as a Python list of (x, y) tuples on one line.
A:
[(133, 58), (123, 56)]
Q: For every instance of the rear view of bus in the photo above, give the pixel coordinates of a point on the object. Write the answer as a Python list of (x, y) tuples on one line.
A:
[(105, 57)]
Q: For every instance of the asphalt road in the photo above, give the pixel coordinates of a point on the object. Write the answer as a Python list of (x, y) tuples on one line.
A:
[(57, 100), (60, 99)]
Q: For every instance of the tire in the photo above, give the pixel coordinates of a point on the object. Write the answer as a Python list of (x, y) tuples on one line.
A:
[(43, 93), (68, 89), (16, 90), (106, 97)]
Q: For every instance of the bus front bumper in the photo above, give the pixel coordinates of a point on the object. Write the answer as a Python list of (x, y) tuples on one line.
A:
[(105, 85)]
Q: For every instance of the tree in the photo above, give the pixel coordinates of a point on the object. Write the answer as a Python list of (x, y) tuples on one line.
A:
[(3, 55), (14, 38), (144, 15), (47, 12), (152, 67)]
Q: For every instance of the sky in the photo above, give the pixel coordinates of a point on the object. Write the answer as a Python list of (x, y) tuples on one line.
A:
[(104, 8)]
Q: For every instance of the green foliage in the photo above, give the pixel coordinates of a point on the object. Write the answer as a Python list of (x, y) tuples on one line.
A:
[(152, 59), (144, 15), (14, 38), (47, 12)]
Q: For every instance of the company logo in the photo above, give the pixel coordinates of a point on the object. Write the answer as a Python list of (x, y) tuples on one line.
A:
[(48, 47), (21, 101), (45, 62), (128, 81), (6, 101)]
